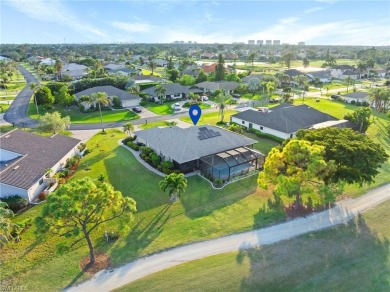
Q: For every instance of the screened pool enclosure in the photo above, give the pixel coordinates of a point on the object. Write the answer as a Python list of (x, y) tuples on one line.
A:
[(228, 164)]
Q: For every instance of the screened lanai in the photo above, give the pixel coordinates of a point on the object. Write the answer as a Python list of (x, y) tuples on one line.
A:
[(228, 164)]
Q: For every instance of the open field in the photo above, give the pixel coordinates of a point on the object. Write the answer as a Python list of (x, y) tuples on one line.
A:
[(355, 257)]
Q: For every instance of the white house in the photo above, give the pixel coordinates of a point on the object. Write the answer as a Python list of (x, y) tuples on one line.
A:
[(339, 71), (356, 97), (25, 159), (285, 120)]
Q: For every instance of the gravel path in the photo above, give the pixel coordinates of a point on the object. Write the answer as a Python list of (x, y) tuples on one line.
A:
[(343, 212)]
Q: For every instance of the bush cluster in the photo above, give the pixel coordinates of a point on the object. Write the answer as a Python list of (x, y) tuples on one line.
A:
[(15, 202), (266, 136), (132, 145), (153, 159)]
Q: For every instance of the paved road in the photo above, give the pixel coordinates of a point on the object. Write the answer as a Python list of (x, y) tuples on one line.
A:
[(343, 212), (17, 112)]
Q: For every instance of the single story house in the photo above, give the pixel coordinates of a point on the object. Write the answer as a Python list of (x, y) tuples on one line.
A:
[(285, 120), (127, 99), (214, 151), (124, 72), (338, 70), (353, 73), (111, 66), (48, 61), (25, 159), (253, 76), (323, 75), (356, 96), (211, 86), (76, 71), (172, 91), (142, 79)]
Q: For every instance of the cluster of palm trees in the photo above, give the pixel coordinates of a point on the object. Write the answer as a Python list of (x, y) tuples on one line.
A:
[(6, 225), (379, 98), (99, 98)]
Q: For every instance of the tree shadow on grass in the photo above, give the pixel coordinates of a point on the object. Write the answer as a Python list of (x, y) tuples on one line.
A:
[(348, 257), (144, 232)]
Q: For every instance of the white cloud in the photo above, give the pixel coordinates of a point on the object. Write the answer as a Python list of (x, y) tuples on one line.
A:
[(132, 26), (288, 20), (314, 9), (55, 12)]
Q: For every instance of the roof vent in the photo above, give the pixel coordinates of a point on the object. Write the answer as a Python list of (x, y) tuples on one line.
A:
[(16, 167)]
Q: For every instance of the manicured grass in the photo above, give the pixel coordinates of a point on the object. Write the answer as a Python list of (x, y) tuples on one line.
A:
[(263, 145), (211, 118), (149, 72), (355, 257), (3, 107), (166, 107), (78, 117), (201, 213), (156, 124)]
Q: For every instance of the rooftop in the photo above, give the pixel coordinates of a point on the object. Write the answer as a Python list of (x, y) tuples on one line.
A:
[(110, 90), (184, 145)]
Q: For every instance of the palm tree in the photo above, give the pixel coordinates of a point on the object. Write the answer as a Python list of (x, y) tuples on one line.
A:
[(160, 91), (100, 98), (251, 59), (6, 226), (35, 87), (175, 183), (221, 101), (349, 81), (58, 65), (152, 65), (128, 128), (379, 98), (305, 62), (361, 66)]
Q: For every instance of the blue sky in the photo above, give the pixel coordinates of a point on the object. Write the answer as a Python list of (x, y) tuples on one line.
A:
[(322, 22)]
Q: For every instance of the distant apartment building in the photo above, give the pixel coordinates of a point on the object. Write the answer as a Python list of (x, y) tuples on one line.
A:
[(301, 43), (251, 42), (268, 42), (259, 42), (276, 42)]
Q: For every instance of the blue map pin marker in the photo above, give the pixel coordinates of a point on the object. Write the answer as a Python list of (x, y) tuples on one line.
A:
[(195, 113)]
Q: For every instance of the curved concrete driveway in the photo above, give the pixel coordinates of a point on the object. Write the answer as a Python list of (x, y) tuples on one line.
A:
[(343, 212), (17, 112)]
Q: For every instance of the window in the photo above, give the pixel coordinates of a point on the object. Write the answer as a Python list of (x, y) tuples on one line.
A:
[(291, 135), (261, 127), (243, 122), (41, 181)]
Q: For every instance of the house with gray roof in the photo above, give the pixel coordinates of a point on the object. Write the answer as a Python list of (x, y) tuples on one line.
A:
[(125, 72), (253, 76), (173, 91), (214, 151), (25, 159), (142, 79), (76, 71), (356, 97), (285, 120), (127, 99), (212, 86)]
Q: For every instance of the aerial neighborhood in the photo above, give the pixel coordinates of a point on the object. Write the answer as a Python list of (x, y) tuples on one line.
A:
[(193, 166)]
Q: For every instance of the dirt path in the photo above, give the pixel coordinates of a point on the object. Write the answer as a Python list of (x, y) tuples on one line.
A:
[(343, 212)]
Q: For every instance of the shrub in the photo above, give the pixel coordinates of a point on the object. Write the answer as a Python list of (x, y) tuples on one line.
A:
[(146, 150), (127, 139), (116, 102), (168, 164), (70, 162), (133, 146), (365, 103), (143, 102), (156, 160), (42, 196), (81, 146), (15, 202), (353, 102), (358, 103), (218, 182), (266, 136), (87, 151)]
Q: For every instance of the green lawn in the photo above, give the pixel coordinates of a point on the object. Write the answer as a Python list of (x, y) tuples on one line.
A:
[(166, 107), (355, 257), (211, 118), (155, 124), (78, 117)]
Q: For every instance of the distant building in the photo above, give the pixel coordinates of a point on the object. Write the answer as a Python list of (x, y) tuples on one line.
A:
[(276, 42), (268, 42), (259, 42), (301, 43), (251, 42)]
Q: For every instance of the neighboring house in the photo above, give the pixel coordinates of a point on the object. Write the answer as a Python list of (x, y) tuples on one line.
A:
[(114, 66), (338, 70), (356, 97), (173, 91), (76, 71), (323, 75), (351, 73), (48, 61), (211, 87), (293, 72), (142, 79), (214, 151), (161, 62), (25, 159), (247, 78), (210, 68), (125, 72), (209, 56), (285, 120), (127, 99)]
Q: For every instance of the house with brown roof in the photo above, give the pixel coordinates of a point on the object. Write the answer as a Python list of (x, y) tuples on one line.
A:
[(25, 159)]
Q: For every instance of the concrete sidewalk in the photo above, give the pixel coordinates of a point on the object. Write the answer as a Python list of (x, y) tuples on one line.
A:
[(343, 212)]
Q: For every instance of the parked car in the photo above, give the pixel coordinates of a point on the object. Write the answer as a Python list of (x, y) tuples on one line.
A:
[(236, 95), (205, 98), (137, 109), (176, 106), (335, 96)]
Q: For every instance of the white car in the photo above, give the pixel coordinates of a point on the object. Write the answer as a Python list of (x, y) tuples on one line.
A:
[(205, 98), (176, 106)]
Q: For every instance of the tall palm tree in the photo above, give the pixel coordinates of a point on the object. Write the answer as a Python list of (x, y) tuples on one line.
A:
[(161, 92), (6, 226), (221, 101), (35, 87), (379, 98), (58, 65), (100, 98), (175, 183), (349, 81), (361, 66), (128, 128), (251, 59), (152, 65)]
